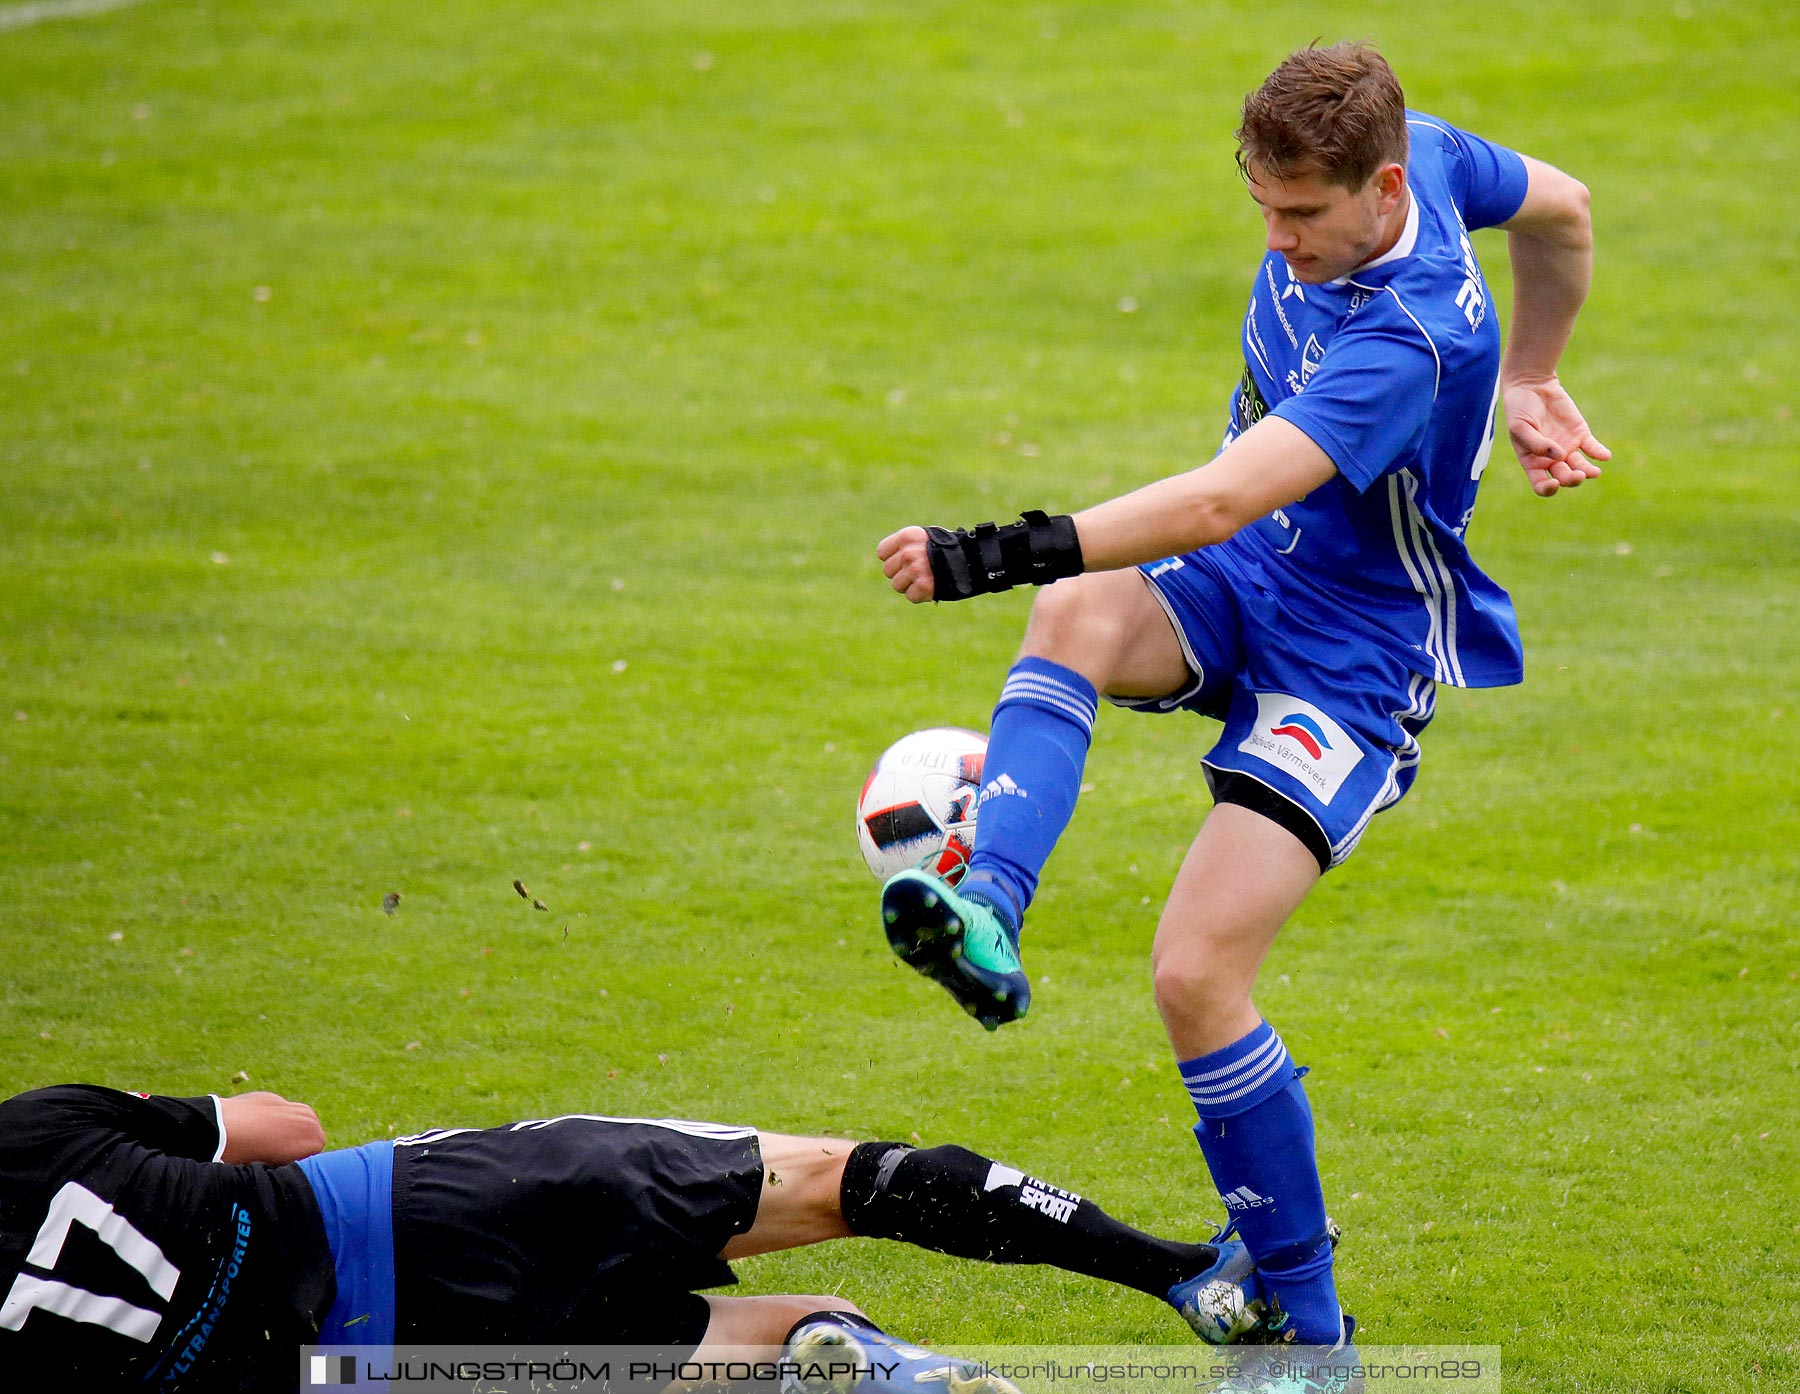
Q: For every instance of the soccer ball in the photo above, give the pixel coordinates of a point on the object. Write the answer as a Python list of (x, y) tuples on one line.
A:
[(917, 806)]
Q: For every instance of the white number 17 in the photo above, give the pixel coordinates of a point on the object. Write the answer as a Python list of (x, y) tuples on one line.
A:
[(76, 1204)]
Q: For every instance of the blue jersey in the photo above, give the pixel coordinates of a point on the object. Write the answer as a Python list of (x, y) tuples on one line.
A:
[(1393, 371)]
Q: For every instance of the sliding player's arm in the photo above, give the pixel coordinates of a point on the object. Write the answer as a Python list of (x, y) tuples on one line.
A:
[(1270, 465), (254, 1127), (1551, 242), (264, 1127)]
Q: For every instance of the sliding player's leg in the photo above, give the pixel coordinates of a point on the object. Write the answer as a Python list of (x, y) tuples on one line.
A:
[(947, 1199), (954, 1201), (799, 1200), (1088, 634)]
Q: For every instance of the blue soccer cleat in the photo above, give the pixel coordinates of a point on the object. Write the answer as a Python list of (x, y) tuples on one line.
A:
[(960, 943), (1225, 1304), (1222, 1304)]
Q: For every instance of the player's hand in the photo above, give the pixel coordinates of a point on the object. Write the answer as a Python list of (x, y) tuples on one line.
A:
[(906, 562), (264, 1127), (1550, 437)]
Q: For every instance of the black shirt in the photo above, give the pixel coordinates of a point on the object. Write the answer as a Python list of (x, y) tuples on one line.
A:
[(132, 1259)]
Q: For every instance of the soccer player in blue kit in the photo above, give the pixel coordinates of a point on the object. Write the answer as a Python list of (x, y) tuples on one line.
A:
[(1309, 587)]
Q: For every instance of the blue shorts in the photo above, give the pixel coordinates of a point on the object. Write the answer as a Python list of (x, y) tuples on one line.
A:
[(1326, 719)]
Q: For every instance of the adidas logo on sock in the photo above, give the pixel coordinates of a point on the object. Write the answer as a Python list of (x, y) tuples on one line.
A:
[(999, 786), (1243, 1198)]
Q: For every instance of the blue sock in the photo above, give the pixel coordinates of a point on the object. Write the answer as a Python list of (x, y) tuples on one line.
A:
[(1257, 1133), (1043, 725)]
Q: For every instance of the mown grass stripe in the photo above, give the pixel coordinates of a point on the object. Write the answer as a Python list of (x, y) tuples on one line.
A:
[(22, 16)]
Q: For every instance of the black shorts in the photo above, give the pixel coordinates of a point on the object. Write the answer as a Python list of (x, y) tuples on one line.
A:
[(578, 1229)]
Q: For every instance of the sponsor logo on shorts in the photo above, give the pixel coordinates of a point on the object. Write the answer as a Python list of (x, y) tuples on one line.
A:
[(1301, 727), (1303, 742)]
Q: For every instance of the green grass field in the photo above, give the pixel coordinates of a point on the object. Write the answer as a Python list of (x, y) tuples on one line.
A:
[(446, 444)]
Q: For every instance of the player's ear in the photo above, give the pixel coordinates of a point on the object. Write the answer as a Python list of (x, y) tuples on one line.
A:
[(1390, 183)]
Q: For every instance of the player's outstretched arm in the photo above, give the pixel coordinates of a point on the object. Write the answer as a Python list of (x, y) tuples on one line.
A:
[(264, 1127), (1551, 243), (1270, 465)]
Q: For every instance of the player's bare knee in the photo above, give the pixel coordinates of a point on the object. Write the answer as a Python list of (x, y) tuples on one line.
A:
[(1188, 982)]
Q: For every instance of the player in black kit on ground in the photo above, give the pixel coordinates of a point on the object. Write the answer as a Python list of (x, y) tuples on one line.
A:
[(198, 1244)]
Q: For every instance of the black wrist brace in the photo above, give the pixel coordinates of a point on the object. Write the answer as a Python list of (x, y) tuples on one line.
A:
[(1034, 551)]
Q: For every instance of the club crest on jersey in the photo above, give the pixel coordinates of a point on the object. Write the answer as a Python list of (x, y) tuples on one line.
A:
[(1303, 742), (1310, 358)]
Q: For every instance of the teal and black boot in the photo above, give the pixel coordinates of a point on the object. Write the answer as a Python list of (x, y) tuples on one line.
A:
[(960, 942)]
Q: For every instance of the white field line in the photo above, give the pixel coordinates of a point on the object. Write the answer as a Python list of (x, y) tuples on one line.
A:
[(19, 16)]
